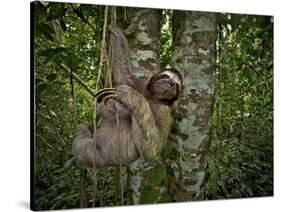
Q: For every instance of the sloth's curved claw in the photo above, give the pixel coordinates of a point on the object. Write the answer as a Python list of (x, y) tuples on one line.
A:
[(104, 90), (104, 93)]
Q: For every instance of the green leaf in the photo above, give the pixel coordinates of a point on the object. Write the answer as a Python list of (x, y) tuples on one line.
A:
[(157, 174), (72, 61), (52, 51), (56, 11), (79, 12), (51, 77), (166, 151), (165, 198), (53, 113), (38, 80), (68, 163), (148, 195), (40, 88), (62, 25), (45, 30), (41, 12)]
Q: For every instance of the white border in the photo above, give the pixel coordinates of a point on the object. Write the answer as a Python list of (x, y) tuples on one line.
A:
[(14, 111), (235, 6)]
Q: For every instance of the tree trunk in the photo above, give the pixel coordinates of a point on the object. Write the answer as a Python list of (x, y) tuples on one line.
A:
[(143, 35), (193, 54), (144, 40)]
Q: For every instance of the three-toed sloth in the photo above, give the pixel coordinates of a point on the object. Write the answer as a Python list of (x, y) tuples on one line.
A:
[(143, 107)]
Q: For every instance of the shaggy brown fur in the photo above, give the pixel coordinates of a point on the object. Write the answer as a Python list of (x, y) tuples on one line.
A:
[(144, 114)]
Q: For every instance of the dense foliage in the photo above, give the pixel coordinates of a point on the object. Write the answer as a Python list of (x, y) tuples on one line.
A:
[(69, 34), (241, 150)]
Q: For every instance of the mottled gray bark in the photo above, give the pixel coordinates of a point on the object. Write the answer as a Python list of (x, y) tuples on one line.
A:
[(143, 36), (144, 40), (193, 54)]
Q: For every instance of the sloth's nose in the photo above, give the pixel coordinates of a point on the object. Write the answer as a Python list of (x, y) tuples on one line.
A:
[(171, 82)]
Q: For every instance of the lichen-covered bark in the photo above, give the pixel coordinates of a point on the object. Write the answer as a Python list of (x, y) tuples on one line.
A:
[(193, 54), (144, 43)]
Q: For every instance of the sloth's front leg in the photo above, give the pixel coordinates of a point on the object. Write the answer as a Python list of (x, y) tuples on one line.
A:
[(127, 96), (123, 94)]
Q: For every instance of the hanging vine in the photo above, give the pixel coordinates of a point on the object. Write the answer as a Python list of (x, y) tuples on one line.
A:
[(105, 63), (119, 196), (103, 45)]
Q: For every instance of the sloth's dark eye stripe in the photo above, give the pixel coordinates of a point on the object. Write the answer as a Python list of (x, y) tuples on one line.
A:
[(162, 76)]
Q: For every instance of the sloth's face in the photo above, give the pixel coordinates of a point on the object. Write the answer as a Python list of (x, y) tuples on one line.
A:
[(166, 86)]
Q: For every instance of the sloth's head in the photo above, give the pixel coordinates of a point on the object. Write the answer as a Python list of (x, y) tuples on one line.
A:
[(165, 86)]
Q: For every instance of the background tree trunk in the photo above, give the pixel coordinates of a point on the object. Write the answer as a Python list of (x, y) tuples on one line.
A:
[(193, 54)]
